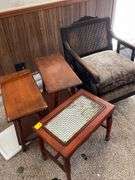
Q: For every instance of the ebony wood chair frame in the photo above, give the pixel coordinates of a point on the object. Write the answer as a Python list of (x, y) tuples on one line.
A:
[(73, 56), (126, 45)]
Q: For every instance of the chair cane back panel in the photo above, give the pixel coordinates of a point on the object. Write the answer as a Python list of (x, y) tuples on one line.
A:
[(88, 36)]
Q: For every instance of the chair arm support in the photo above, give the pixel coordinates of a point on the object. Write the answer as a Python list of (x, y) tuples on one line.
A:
[(123, 42), (91, 70)]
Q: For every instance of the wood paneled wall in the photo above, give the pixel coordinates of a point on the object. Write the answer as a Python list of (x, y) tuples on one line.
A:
[(28, 35), (104, 8)]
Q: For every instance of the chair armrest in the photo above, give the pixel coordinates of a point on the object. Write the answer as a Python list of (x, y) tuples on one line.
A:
[(91, 70), (123, 42)]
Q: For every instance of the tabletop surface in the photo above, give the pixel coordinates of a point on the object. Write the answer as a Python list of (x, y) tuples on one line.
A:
[(71, 123), (21, 96), (56, 73), (73, 118)]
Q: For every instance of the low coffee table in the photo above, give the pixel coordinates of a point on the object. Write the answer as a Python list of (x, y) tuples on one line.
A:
[(68, 126)]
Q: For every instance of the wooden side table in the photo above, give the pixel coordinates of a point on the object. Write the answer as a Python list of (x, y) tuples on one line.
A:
[(57, 75), (67, 127), (21, 98)]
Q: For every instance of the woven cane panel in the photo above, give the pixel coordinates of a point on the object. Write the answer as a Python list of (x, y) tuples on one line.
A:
[(88, 38), (66, 124)]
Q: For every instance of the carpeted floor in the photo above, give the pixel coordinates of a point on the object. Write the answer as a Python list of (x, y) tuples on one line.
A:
[(113, 160)]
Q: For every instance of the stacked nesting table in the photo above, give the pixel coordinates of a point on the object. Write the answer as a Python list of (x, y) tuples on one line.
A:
[(21, 98), (57, 75), (68, 126)]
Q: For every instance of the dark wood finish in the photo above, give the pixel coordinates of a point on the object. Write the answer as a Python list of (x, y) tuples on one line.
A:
[(133, 54), (67, 168), (79, 40), (83, 33), (67, 150), (108, 127), (29, 33), (118, 47), (56, 73), (41, 144), (21, 98), (19, 132), (56, 99), (127, 44)]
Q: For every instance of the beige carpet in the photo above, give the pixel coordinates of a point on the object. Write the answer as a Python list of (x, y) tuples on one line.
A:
[(113, 160)]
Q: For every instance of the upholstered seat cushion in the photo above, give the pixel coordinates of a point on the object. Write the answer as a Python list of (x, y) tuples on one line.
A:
[(113, 69)]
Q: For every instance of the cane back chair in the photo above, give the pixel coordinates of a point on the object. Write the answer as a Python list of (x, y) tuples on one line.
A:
[(88, 49)]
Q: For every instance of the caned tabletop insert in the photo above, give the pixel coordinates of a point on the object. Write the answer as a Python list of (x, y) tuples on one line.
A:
[(66, 124)]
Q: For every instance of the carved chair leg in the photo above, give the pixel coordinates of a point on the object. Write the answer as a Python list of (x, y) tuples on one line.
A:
[(133, 54), (118, 47)]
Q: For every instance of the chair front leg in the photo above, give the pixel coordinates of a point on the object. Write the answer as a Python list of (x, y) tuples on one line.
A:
[(133, 54), (118, 47)]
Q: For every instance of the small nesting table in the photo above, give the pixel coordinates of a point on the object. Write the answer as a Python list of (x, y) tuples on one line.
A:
[(21, 98), (57, 75), (67, 127)]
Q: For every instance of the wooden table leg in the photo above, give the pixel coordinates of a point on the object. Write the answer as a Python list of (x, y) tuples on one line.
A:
[(18, 127), (72, 90), (108, 126), (67, 167), (42, 148), (56, 99), (44, 89), (43, 113)]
